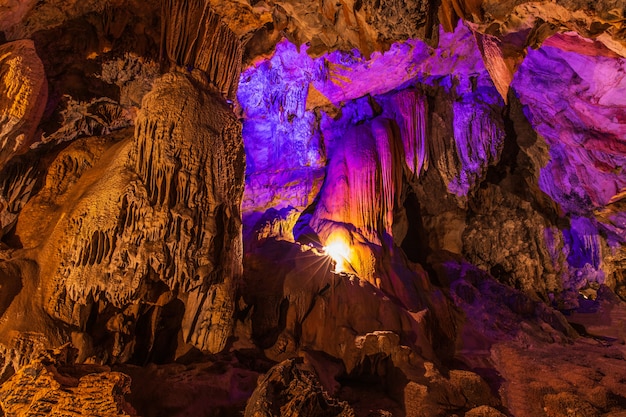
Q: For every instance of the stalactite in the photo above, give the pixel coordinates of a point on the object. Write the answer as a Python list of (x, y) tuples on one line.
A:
[(193, 36), (478, 139), (362, 190), (413, 109)]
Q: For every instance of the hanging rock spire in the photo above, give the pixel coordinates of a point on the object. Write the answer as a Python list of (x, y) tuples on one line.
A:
[(194, 36)]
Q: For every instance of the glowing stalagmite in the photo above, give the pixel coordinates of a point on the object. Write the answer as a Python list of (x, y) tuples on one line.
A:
[(359, 194)]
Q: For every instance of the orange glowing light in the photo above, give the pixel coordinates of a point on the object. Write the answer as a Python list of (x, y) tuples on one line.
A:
[(339, 251)]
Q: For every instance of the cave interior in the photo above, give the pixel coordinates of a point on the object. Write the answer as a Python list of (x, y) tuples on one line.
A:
[(358, 208)]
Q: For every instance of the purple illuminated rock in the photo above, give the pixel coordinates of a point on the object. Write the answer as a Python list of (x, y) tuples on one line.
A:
[(286, 98), (577, 103)]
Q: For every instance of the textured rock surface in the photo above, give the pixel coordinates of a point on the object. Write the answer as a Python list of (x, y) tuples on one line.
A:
[(193, 36), (141, 253), (515, 243), (587, 147), (209, 387), (159, 203), (288, 391), (51, 386), (22, 97)]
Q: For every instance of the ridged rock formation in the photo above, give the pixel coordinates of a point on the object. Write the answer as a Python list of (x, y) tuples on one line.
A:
[(288, 391), (165, 217), (413, 109), (50, 386), (527, 254), (141, 254), (23, 97), (360, 190), (200, 184), (193, 36), (20, 179)]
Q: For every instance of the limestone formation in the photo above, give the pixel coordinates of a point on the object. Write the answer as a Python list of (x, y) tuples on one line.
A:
[(159, 203), (194, 36), (21, 178), (287, 390), (98, 117), (23, 97), (49, 386), (413, 109)]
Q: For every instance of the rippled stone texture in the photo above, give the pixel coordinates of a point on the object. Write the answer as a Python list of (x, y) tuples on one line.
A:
[(23, 95), (286, 390), (50, 385), (165, 211)]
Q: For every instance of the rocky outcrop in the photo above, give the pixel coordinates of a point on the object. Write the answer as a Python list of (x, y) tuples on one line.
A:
[(587, 147), (21, 179), (505, 30), (287, 390), (22, 97), (328, 313), (581, 169), (515, 244), (50, 385), (95, 118), (158, 203), (203, 197), (126, 214)]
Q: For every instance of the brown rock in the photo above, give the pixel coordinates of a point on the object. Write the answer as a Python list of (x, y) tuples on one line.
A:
[(194, 36), (507, 238), (288, 391), (203, 198), (23, 95), (473, 387), (20, 179), (45, 388), (129, 215), (567, 404), (484, 411), (416, 402)]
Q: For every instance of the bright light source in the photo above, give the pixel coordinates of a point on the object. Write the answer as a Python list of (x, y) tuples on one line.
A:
[(339, 251)]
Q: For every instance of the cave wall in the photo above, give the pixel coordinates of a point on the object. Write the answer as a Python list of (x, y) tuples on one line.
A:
[(143, 231)]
